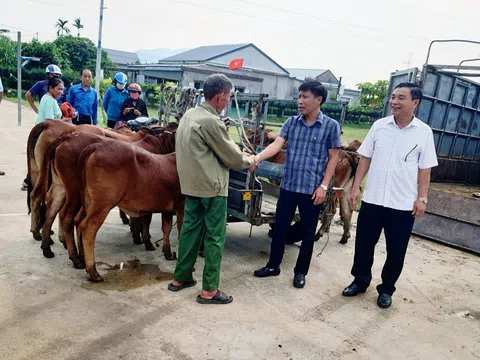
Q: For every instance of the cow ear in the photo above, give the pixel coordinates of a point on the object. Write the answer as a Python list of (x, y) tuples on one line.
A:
[(146, 130)]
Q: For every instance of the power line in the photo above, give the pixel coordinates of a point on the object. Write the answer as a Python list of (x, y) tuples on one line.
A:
[(330, 20), (250, 16), (18, 28)]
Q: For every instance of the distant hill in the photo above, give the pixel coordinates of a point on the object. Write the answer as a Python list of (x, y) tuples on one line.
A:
[(152, 56)]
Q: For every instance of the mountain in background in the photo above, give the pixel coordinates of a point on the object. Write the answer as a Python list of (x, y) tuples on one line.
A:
[(152, 56)]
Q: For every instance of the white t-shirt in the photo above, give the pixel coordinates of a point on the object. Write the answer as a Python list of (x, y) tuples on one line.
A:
[(1, 86), (396, 155)]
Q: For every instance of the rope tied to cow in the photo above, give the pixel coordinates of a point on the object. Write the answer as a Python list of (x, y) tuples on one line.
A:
[(241, 128)]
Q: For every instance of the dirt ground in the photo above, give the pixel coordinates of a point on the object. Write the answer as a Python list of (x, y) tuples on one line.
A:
[(48, 309)]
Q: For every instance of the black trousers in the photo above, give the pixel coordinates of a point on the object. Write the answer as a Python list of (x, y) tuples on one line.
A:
[(397, 225), (82, 119), (286, 205)]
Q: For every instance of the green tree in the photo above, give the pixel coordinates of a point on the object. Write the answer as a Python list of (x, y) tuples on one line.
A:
[(78, 25), (61, 25), (8, 54), (373, 94), (49, 53), (81, 52)]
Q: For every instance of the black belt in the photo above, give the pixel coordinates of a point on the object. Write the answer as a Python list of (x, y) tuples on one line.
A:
[(83, 119)]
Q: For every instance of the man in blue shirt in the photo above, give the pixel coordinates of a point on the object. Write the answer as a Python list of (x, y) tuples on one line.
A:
[(312, 153), (41, 87), (84, 99)]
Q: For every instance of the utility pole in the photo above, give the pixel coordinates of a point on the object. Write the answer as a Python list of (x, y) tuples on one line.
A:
[(99, 50), (19, 76)]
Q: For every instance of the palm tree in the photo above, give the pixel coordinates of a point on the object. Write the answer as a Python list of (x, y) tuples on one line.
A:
[(61, 25), (78, 25)]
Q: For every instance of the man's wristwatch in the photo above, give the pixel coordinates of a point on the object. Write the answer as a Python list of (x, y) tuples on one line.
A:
[(324, 187), (423, 199)]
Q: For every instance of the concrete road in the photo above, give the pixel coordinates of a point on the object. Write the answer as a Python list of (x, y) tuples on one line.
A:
[(48, 309)]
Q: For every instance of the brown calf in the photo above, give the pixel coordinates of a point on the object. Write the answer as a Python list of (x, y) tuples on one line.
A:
[(108, 182)]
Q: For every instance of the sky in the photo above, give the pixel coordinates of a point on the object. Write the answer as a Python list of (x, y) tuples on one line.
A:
[(357, 40)]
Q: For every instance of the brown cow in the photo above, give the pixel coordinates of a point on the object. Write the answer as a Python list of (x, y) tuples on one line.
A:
[(109, 182), (39, 139), (64, 191)]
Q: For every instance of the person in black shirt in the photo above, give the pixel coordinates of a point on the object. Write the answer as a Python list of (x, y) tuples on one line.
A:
[(133, 107)]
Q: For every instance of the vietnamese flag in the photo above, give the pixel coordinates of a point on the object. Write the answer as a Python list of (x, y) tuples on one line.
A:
[(235, 64)]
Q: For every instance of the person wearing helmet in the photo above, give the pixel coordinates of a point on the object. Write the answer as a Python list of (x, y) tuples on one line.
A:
[(114, 97), (133, 107), (41, 87)]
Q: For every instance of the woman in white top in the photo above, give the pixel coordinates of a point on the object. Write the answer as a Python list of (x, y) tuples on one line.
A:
[(49, 108)]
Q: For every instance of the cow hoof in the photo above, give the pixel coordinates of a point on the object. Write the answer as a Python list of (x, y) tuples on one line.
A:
[(96, 277), (48, 253), (169, 256), (270, 233), (137, 240), (51, 242), (318, 236), (78, 263), (201, 254), (149, 247), (36, 235), (51, 232), (343, 240)]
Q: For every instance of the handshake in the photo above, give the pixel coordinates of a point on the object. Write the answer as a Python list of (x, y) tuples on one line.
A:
[(256, 162)]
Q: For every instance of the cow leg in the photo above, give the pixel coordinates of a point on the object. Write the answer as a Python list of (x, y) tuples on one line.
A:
[(61, 237), (327, 218), (35, 206), (77, 221), (147, 220), (136, 229), (55, 200), (88, 231), (167, 218), (346, 213), (124, 217), (67, 220)]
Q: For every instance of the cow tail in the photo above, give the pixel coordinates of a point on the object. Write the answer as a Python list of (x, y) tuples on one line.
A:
[(31, 142)]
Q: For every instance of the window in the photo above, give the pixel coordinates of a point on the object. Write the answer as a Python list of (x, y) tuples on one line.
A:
[(241, 90), (198, 84)]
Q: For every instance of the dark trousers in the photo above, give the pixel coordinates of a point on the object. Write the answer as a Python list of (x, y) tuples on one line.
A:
[(82, 120), (111, 123), (397, 225), (286, 206)]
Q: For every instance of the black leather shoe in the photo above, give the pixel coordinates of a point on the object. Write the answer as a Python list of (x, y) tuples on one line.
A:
[(266, 272), (353, 290), (384, 301), (299, 281)]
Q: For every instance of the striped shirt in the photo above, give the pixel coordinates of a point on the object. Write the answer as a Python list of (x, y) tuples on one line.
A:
[(307, 152)]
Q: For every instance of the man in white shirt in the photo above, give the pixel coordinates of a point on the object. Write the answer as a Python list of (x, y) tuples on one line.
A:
[(1, 97), (398, 154)]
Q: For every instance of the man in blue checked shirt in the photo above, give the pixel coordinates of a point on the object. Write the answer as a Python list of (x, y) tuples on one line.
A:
[(84, 99), (312, 153)]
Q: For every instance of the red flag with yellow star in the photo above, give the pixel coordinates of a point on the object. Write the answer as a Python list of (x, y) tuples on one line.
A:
[(235, 64)]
